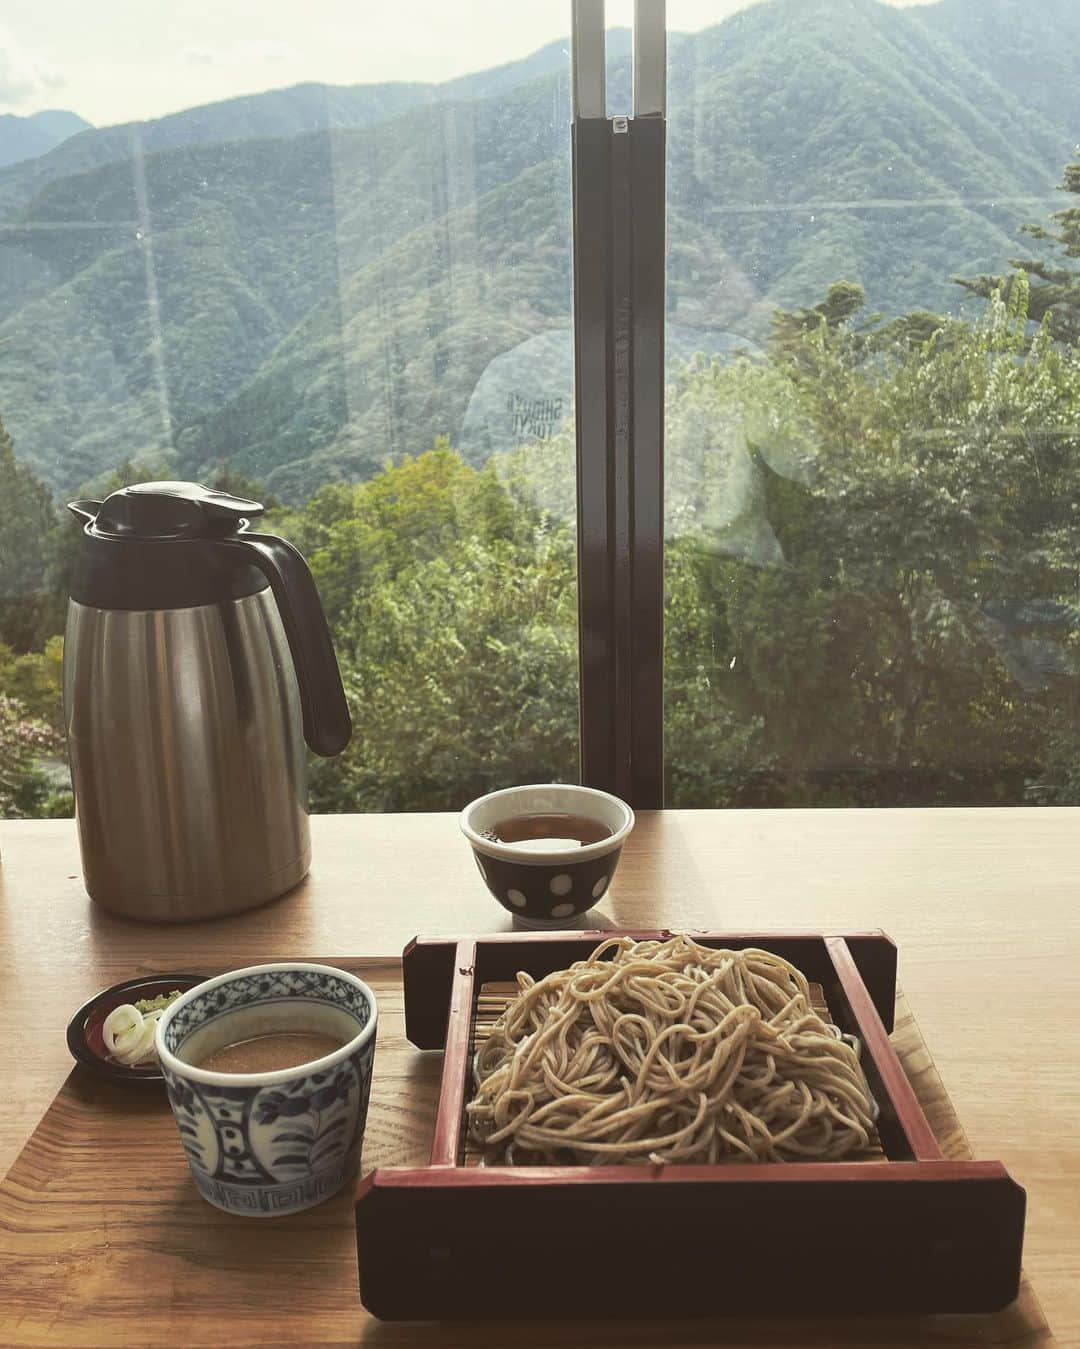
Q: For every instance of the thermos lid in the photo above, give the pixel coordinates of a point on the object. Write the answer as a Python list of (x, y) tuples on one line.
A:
[(156, 545), (171, 510)]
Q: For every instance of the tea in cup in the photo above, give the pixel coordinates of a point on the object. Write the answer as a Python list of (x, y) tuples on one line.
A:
[(547, 853)]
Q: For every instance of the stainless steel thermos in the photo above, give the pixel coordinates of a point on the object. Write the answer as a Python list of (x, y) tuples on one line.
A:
[(197, 661)]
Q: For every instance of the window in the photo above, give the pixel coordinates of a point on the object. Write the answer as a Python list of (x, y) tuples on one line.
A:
[(329, 264), (872, 439), (350, 299)]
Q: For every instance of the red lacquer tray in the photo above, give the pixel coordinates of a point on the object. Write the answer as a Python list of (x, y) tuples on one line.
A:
[(908, 1232)]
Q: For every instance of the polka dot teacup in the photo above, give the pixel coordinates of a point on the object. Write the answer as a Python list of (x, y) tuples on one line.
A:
[(542, 882)]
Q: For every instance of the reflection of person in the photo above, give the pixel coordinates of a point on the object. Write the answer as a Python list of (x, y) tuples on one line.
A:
[(527, 394), (719, 449), (523, 396), (715, 458)]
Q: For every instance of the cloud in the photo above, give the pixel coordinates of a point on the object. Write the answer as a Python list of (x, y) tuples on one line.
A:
[(200, 56), (266, 51), (24, 77), (256, 52)]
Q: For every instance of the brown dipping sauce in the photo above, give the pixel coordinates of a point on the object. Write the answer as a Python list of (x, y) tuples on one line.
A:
[(267, 1053), (549, 831)]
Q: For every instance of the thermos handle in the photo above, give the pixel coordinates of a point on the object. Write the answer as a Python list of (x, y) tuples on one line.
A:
[(327, 725)]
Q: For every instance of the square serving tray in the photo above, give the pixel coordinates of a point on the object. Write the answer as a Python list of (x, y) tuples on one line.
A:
[(906, 1232)]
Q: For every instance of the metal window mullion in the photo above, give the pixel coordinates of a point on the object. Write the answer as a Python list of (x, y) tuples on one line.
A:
[(647, 212), (593, 411), (619, 262), (650, 58), (621, 451), (588, 59)]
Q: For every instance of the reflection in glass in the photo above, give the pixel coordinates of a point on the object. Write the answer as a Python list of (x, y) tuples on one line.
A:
[(872, 542), (302, 294)]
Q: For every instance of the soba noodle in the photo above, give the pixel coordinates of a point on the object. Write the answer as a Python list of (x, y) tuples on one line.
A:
[(668, 1052)]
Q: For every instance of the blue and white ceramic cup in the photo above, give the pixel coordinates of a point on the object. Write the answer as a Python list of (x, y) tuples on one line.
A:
[(264, 1144)]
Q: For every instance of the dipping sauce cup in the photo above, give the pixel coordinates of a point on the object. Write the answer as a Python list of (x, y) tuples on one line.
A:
[(270, 1143)]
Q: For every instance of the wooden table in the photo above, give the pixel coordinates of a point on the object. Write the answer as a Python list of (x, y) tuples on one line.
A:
[(982, 903)]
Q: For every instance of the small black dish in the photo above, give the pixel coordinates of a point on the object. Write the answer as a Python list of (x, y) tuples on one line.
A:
[(84, 1032)]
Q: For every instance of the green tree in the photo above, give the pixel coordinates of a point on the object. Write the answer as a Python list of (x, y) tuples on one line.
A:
[(915, 640), (27, 526), (1053, 296), (32, 774), (225, 478), (25, 742), (357, 538), (843, 301), (453, 609), (461, 674), (35, 679)]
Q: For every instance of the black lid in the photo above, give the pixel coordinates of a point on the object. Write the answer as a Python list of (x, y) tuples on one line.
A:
[(155, 545), (171, 510)]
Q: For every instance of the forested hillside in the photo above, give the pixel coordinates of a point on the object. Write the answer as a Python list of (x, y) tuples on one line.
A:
[(309, 281)]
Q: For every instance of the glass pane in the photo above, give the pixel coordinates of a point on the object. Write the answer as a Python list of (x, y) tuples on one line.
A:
[(872, 413), (325, 263)]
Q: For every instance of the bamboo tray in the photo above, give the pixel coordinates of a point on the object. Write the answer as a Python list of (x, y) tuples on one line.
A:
[(105, 1241), (903, 1233)]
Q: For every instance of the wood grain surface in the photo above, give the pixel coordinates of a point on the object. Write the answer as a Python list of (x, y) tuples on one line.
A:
[(982, 903), (104, 1240)]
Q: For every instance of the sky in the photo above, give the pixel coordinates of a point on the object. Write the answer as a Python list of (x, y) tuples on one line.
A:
[(122, 60)]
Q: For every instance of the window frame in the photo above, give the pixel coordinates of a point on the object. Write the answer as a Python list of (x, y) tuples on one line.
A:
[(619, 234)]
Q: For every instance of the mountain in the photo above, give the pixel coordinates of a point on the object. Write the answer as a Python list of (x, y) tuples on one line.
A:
[(279, 112), (26, 137), (306, 282), (1012, 40), (829, 138)]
